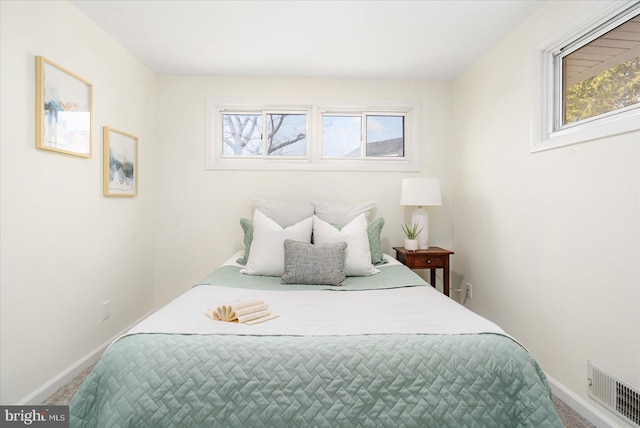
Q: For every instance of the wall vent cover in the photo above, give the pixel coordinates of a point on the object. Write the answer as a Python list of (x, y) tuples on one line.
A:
[(613, 393)]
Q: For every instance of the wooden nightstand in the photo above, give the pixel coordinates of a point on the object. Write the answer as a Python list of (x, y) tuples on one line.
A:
[(432, 258)]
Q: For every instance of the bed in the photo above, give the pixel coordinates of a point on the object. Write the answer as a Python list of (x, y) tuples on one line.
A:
[(383, 350)]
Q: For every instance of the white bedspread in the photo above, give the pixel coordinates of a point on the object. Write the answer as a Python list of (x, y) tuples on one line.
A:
[(411, 310)]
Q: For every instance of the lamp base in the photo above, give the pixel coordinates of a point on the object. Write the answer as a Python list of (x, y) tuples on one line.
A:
[(421, 218)]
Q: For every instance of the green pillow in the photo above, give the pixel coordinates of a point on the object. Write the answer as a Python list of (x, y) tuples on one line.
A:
[(247, 228), (374, 229)]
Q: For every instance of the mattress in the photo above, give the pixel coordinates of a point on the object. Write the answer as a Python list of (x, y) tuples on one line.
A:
[(386, 350)]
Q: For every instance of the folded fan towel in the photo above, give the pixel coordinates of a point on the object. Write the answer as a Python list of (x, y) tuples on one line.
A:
[(242, 311)]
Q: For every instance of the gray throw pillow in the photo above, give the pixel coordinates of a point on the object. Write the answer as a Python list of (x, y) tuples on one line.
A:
[(313, 264)]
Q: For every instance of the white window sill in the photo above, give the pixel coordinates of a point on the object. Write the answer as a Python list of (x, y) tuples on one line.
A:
[(616, 124)]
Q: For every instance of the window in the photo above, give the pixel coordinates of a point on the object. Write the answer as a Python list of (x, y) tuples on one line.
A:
[(600, 76), (242, 134), (385, 136), (263, 134), (594, 82), (362, 136), (286, 134), (310, 135), (341, 136)]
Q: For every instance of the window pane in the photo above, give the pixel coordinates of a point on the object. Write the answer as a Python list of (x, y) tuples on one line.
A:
[(286, 134), (341, 136), (242, 134), (385, 136), (603, 75)]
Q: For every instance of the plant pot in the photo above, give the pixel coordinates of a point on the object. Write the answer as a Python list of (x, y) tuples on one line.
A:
[(411, 244)]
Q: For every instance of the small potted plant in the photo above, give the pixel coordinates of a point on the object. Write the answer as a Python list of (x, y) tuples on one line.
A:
[(412, 232)]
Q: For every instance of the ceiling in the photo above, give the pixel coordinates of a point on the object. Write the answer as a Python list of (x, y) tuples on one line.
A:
[(345, 39)]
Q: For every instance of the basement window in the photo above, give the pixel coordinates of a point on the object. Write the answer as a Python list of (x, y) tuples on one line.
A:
[(593, 82), (264, 134), (313, 135), (362, 136)]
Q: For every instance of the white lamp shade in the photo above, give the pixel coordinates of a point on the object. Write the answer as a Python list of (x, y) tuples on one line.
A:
[(421, 192)]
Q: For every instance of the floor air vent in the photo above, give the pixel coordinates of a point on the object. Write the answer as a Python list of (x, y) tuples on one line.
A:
[(615, 394)]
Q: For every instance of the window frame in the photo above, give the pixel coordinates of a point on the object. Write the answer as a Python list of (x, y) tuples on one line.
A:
[(330, 113), (549, 131), (264, 114), (409, 109), (304, 113), (365, 136), (241, 112), (363, 115)]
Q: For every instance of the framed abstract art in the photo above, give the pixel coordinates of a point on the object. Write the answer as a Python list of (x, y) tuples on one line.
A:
[(120, 163), (64, 114)]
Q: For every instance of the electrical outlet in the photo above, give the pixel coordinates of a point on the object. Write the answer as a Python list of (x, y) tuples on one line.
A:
[(106, 310), (469, 291)]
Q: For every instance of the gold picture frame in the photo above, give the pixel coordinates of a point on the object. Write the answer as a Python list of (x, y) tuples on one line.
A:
[(120, 163), (64, 110)]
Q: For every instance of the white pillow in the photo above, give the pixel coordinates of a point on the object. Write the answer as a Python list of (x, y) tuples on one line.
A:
[(342, 213), (266, 256), (358, 255), (284, 213)]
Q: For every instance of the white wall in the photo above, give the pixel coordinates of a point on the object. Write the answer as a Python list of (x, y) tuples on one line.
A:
[(197, 211), (551, 240), (64, 247)]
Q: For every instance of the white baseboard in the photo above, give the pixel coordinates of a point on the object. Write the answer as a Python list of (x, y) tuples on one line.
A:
[(64, 377), (582, 407)]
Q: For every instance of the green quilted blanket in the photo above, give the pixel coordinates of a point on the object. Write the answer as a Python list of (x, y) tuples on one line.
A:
[(160, 380)]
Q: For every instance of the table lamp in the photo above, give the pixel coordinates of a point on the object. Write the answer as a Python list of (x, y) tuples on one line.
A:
[(421, 192)]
